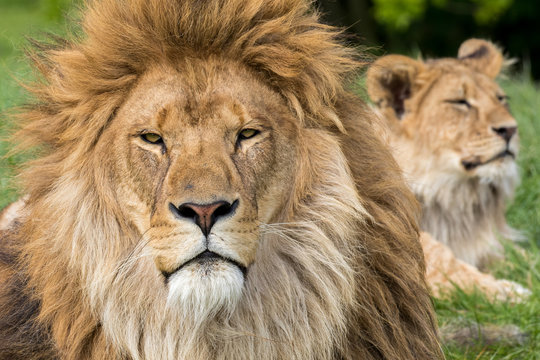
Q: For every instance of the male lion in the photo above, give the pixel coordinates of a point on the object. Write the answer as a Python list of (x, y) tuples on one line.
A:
[(208, 189), (451, 131)]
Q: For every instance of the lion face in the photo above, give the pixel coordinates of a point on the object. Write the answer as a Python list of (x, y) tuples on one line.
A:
[(199, 161), (448, 114), (465, 118), (210, 189)]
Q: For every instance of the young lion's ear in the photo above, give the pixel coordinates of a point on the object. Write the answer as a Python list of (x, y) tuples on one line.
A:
[(482, 56), (390, 81)]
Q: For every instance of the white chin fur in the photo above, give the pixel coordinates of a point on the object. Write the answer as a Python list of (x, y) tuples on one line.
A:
[(204, 289), (503, 173)]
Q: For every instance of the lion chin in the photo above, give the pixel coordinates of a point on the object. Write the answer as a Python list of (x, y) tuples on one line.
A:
[(502, 173), (205, 285)]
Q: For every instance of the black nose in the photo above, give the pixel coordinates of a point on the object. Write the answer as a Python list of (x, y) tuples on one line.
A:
[(506, 132), (204, 215)]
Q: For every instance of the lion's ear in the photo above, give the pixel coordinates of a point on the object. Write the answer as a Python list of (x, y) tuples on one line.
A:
[(481, 55), (390, 81)]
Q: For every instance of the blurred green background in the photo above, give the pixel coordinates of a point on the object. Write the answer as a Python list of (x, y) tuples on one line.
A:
[(20, 20), (433, 28), (438, 27)]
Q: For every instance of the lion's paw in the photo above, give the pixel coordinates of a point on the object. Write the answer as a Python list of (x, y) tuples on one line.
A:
[(512, 291)]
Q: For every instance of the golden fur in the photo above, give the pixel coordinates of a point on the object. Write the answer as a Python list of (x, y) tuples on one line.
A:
[(444, 272), (314, 240), (11, 213), (451, 131)]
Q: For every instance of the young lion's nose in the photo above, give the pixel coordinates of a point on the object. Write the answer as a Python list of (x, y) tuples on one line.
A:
[(506, 132), (204, 215)]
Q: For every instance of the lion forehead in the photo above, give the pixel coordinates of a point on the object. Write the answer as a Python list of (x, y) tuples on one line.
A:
[(444, 116), (197, 83)]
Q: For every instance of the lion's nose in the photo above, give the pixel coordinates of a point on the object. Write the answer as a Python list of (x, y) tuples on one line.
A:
[(506, 132), (204, 215)]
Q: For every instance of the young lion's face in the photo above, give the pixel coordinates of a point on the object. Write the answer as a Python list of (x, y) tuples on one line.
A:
[(448, 117), (204, 157), (462, 116)]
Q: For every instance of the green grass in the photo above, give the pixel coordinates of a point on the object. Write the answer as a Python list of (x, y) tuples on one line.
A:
[(19, 19), (522, 265)]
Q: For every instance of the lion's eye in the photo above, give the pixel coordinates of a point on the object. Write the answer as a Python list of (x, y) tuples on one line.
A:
[(503, 99), (247, 134), (462, 102), (152, 138)]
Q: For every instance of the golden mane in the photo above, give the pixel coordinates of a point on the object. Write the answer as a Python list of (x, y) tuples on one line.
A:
[(283, 43), (339, 277)]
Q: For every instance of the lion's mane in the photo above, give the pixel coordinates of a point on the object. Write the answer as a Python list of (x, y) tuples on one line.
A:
[(340, 278)]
